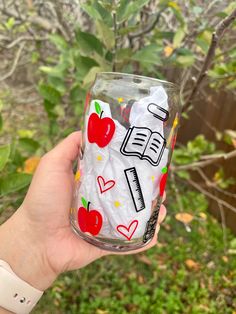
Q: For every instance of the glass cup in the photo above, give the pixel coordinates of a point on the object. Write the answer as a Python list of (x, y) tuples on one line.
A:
[(130, 128)]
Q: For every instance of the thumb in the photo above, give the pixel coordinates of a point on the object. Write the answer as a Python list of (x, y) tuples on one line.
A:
[(66, 151)]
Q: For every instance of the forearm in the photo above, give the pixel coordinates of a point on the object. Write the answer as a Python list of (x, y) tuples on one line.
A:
[(24, 254)]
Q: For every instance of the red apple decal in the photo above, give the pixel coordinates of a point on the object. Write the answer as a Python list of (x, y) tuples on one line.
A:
[(89, 221), (163, 180), (100, 130)]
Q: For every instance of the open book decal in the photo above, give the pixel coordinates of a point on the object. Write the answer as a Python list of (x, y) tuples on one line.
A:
[(143, 143)]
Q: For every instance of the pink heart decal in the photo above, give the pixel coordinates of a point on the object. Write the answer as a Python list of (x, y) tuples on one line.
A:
[(128, 231), (103, 185)]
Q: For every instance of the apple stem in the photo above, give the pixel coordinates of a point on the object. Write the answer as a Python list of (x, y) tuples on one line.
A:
[(101, 114), (88, 206)]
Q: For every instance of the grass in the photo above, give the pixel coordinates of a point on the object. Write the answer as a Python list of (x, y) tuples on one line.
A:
[(158, 281)]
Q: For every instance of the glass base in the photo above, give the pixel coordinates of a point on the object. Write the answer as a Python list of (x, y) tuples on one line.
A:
[(112, 245)]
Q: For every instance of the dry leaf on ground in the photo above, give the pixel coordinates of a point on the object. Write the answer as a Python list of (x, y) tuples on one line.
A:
[(191, 264), (225, 259), (184, 217)]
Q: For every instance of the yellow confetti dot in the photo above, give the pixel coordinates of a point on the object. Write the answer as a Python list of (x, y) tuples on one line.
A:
[(77, 176), (117, 204), (176, 121), (120, 99), (153, 178), (99, 157)]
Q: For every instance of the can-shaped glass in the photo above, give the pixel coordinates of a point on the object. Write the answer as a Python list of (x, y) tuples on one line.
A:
[(129, 133)]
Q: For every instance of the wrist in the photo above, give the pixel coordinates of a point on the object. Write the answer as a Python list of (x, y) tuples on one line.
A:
[(22, 249)]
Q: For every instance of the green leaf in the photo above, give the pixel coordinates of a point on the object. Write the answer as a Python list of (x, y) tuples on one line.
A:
[(49, 93), (105, 34), (84, 202), (97, 11), (128, 29), (59, 42), (104, 64), (178, 37), (83, 66), (89, 78), (123, 55), (91, 11), (50, 109), (10, 23), (77, 95), (129, 8), (88, 43), (232, 244), (35, 57), (177, 12), (203, 40), (58, 71), (1, 104), (4, 155), (26, 133), (98, 108), (185, 61), (59, 83), (148, 54), (29, 144), (183, 174), (1, 122), (14, 182)]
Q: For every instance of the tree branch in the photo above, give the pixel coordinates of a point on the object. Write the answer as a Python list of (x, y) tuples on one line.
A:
[(35, 19), (213, 185), (23, 38), (148, 28), (200, 164), (15, 62), (216, 36), (211, 196)]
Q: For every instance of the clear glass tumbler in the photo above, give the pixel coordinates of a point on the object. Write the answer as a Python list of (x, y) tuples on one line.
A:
[(130, 129)]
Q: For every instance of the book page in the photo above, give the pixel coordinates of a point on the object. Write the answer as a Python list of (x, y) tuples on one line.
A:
[(136, 141), (155, 148)]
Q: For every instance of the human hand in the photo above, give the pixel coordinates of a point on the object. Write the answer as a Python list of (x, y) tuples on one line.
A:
[(37, 241)]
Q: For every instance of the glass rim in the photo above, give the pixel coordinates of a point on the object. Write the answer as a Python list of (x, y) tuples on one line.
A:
[(147, 78)]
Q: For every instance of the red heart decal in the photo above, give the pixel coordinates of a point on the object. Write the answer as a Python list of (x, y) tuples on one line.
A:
[(103, 185), (128, 231)]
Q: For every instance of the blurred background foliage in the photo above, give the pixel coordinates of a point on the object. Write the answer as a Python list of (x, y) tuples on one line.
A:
[(50, 53)]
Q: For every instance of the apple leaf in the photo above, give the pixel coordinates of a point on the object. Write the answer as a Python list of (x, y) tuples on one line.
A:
[(98, 108), (84, 202)]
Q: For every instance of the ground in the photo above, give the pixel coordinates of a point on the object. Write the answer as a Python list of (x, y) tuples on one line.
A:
[(186, 272)]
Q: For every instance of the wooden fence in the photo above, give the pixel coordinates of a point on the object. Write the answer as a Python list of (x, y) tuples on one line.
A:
[(215, 112)]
